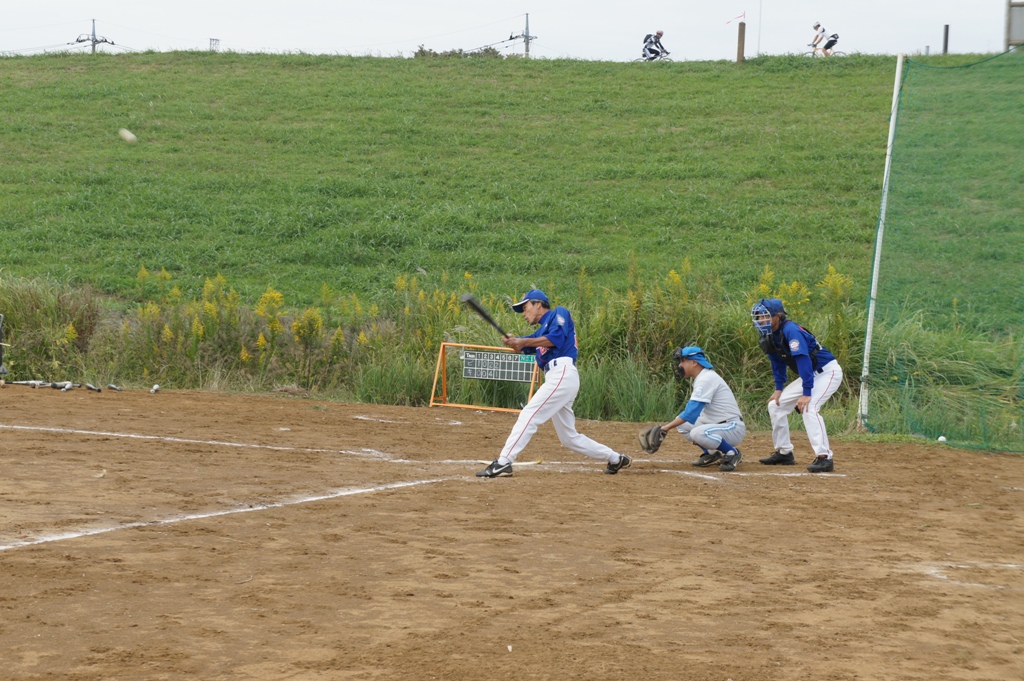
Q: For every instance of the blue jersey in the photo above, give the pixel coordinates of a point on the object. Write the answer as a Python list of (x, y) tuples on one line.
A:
[(556, 325), (796, 348)]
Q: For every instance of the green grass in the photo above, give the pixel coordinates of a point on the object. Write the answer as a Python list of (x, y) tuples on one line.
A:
[(299, 170), (654, 199)]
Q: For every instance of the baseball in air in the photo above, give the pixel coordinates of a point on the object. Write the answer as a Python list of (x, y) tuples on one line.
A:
[(127, 136), (942, 438)]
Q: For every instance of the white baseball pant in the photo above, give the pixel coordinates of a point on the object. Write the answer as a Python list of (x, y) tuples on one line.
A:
[(825, 383), (710, 435), (553, 400)]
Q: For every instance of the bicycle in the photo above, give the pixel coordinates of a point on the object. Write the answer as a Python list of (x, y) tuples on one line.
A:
[(820, 52), (662, 56)]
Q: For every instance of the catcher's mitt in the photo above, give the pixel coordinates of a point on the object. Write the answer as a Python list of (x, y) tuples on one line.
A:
[(651, 438)]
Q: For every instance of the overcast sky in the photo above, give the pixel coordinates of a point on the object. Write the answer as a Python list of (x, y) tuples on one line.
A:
[(580, 29)]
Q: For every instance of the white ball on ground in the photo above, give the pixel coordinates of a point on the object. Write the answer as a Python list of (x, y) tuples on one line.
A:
[(942, 438), (127, 136)]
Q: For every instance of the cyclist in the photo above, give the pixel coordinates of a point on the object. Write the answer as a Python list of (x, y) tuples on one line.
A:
[(653, 47), (820, 33)]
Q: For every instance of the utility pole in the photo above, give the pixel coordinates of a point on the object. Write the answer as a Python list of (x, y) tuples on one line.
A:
[(94, 39), (525, 36)]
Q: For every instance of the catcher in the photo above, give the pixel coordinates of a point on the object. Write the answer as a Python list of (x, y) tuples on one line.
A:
[(711, 419)]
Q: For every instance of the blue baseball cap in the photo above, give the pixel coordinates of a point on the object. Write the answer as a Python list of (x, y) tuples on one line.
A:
[(695, 353), (532, 294), (774, 306)]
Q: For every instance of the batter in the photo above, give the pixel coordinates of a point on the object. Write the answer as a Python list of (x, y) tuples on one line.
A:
[(554, 344)]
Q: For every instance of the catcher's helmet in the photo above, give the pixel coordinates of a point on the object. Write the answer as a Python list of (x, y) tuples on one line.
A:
[(763, 311)]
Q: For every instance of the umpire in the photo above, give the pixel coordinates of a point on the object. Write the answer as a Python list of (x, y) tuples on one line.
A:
[(791, 346)]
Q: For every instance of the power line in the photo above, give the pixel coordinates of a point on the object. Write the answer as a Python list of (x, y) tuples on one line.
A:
[(42, 47), (93, 39), (140, 30), (34, 28), (513, 39)]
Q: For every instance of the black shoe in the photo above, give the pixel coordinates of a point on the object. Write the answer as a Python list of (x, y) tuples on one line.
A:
[(613, 468), (779, 459), (730, 461), (822, 464), (495, 470), (707, 458)]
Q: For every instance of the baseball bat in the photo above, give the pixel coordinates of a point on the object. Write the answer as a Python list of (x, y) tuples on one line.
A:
[(469, 300)]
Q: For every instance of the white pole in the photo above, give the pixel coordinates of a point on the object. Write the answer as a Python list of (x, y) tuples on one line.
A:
[(862, 412), (526, 36), (759, 4)]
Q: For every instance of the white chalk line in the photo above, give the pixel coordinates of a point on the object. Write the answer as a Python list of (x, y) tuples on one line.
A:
[(443, 422), (789, 475), (691, 474), (369, 453), (213, 514), (939, 572), (372, 453)]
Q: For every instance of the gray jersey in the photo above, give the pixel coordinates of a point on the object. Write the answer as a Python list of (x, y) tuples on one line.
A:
[(712, 390)]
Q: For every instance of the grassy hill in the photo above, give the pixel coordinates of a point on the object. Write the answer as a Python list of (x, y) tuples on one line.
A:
[(298, 170)]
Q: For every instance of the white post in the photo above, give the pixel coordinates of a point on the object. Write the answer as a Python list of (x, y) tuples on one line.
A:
[(862, 412), (527, 36), (760, 3)]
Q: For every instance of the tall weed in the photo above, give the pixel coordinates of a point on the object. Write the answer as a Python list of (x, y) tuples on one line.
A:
[(348, 348)]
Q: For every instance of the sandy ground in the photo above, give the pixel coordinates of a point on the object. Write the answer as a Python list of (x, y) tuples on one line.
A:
[(212, 536)]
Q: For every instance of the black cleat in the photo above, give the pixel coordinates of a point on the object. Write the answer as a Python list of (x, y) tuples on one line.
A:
[(730, 461), (613, 468), (707, 458), (779, 459), (822, 464), (495, 470)]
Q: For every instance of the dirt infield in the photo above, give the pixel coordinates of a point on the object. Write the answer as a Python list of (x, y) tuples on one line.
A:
[(211, 536)]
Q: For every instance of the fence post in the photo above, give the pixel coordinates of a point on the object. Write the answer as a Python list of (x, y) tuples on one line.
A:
[(740, 42)]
